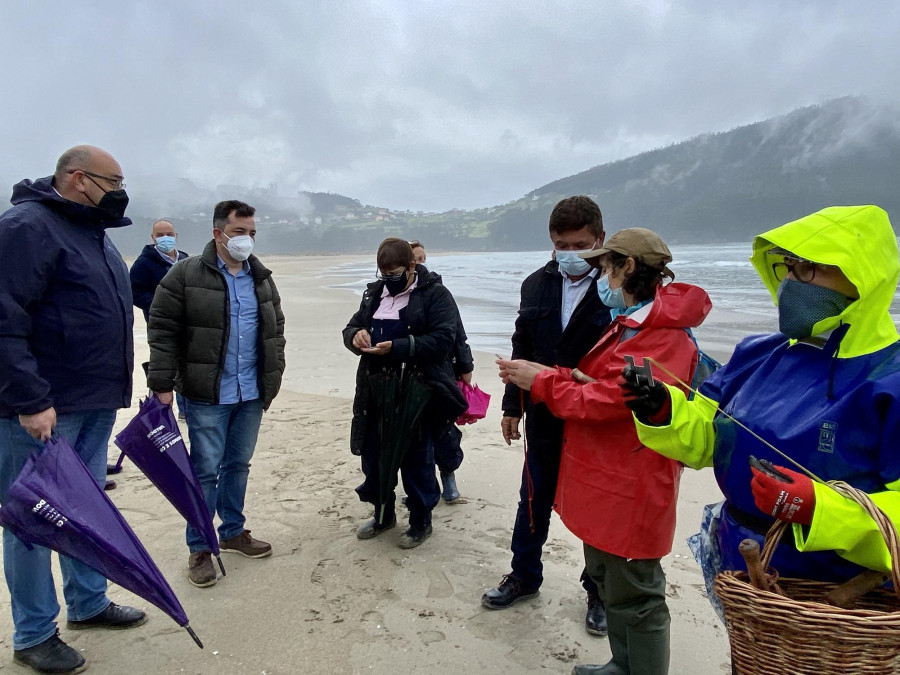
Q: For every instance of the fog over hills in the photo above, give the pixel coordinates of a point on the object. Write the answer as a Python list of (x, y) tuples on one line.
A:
[(716, 187)]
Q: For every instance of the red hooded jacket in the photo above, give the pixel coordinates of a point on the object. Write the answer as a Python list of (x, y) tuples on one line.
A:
[(614, 493)]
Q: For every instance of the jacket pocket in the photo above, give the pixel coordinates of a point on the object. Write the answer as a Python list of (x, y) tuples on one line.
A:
[(535, 312)]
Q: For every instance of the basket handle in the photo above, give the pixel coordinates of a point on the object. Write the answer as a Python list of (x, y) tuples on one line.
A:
[(864, 582)]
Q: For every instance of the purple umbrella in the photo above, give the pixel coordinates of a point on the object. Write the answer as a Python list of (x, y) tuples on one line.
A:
[(57, 504), (153, 442)]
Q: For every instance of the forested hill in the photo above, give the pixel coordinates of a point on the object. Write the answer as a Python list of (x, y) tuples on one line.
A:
[(717, 187), (729, 186)]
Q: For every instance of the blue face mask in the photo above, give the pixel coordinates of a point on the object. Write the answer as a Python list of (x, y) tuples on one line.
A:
[(571, 264), (165, 243), (613, 298), (801, 306)]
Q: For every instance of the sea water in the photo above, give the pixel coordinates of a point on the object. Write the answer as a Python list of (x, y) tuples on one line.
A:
[(486, 288)]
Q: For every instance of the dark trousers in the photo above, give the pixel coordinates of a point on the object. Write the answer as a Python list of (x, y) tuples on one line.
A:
[(416, 471), (448, 454), (527, 545), (634, 593)]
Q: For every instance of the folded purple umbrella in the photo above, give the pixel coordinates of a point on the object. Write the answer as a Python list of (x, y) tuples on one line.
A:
[(56, 503), (152, 440)]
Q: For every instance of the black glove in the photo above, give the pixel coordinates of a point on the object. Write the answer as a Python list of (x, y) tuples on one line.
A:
[(645, 400)]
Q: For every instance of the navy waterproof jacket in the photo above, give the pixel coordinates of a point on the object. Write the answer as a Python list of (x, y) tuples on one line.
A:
[(65, 307), (146, 273), (539, 336)]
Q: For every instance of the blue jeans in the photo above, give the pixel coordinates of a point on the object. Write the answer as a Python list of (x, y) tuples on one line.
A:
[(28, 575), (223, 438), (179, 402)]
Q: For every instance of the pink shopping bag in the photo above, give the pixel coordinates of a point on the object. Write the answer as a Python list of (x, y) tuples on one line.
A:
[(478, 403)]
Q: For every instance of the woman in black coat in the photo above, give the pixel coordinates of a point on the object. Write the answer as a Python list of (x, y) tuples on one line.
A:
[(405, 317)]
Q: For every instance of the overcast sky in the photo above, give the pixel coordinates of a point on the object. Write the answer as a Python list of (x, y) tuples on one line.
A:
[(415, 104)]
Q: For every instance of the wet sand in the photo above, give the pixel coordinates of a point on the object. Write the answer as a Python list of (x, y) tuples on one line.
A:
[(326, 602)]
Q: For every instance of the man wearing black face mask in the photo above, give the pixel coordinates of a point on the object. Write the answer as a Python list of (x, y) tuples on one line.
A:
[(66, 357)]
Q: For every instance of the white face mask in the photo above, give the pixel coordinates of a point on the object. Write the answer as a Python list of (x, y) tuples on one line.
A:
[(239, 247)]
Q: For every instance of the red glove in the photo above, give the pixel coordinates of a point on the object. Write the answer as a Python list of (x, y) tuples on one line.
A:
[(793, 500)]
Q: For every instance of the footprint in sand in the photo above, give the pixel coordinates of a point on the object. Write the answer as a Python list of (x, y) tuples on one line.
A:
[(373, 621), (429, 636), (439, 585)]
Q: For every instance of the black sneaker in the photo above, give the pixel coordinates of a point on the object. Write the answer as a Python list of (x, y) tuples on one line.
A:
[(595, 619), (508, 592), (114, 617), (50, 656)]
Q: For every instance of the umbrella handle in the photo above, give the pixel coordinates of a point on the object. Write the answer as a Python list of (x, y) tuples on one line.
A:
[(119, 462), (191, 632), (221, 566)]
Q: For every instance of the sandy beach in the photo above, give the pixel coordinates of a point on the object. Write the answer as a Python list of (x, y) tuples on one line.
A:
[(326, 602)]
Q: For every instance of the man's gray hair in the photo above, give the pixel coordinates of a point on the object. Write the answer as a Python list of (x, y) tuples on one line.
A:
[(74, 158)]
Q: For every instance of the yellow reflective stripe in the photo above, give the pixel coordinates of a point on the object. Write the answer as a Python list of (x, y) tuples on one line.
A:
[(841, 525), (689, 437)]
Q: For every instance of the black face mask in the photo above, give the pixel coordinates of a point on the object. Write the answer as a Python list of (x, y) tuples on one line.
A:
[(114, 203), (396, 286)]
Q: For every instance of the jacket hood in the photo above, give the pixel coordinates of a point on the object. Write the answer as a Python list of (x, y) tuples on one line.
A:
[(676, 305), (861, 242), (42, 191)]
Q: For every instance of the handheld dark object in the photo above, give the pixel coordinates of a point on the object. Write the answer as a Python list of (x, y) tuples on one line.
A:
[(641, 393), (766, 467), (643, 375)]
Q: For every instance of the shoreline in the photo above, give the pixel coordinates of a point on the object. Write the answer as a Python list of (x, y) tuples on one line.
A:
[(325, 602)]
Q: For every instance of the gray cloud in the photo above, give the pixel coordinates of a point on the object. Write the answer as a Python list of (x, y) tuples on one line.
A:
[(428, 105)]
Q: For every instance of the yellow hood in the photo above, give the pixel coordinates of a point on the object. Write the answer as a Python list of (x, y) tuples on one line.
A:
[(859, 240)]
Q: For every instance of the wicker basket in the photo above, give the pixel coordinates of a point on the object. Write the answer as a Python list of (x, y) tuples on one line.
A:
[(789, 630)]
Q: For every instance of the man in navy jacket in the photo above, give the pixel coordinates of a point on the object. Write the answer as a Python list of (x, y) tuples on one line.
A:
[(66, 357), (152, 264), (560, 318)]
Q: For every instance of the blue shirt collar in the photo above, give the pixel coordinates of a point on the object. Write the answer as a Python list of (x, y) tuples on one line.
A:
[(245, 266)]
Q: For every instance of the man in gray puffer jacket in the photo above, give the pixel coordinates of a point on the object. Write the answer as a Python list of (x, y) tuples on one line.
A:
[(216, 334)]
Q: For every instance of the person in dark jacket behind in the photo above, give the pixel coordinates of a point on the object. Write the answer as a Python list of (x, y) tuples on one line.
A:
[(560, 319), (216, 333), (152, 264), (150, 267), (406, 322), (448, 454), (66, 356)]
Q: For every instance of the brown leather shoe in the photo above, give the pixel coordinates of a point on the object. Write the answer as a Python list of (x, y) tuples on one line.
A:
[(201, 570), (246, 545)]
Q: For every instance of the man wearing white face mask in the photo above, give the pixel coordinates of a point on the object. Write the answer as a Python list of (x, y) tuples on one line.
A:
[(216, 334)]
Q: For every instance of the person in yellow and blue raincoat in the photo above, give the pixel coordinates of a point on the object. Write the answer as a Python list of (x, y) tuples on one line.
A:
[(825, 390)]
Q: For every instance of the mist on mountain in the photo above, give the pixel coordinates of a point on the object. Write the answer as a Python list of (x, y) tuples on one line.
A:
[(716, 187)]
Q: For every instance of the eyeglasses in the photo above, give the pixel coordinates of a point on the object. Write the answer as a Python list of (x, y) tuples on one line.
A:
[(394, 276), (803, 270), (116, 183)]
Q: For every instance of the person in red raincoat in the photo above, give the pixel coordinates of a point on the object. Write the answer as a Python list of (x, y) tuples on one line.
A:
[(615, 494)]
